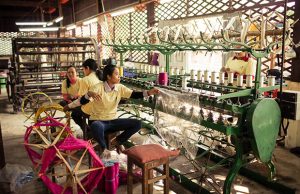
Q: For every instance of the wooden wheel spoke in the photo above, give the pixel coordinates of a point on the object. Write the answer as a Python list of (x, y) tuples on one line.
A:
[(53, 114), (64, 160), (79, 183), (46, 141), (64, 189), (80, 160), (41, 146), (79, 172), (59, 135), (30, 116)]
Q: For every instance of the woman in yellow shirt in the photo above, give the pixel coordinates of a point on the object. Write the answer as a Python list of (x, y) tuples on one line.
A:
[(90, 79), (103, 117), (70, 86)]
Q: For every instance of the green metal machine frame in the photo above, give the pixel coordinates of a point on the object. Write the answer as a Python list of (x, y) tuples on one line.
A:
[(258, 118)]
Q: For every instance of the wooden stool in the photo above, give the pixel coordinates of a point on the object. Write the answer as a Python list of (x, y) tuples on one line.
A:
[(149, 158)]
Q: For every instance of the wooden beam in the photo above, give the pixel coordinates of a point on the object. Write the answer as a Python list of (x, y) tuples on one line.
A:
[(15, 14), (15, 3)]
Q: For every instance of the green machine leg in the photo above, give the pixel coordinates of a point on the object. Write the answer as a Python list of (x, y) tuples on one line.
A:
[(272, 170), (238, 163)]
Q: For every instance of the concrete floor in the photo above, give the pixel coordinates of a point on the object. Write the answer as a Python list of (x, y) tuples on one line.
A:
[(287, 164)]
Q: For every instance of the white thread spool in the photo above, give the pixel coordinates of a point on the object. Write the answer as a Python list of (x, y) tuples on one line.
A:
[(172, 71), (192, 74), (146, 68), (176, 71), (262, 80), (240, 81), (221, 77), (141, 70), (271, 80), (152, 69), (199, 75), (249, 82), (184, 82), (206, 76), (213, 77), (149, 69), (182, 72), (230, 78), (157, 70)]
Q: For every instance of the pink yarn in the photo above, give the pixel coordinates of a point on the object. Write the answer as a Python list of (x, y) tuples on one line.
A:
[(48, 157), (34, 156), (70, 143)]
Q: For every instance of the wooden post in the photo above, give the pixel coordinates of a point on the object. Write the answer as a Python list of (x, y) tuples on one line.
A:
[(2, 155), (150, 23), (295, 74)]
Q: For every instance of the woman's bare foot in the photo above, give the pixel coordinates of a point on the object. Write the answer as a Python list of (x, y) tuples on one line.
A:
[(120, 149), (106, 154)]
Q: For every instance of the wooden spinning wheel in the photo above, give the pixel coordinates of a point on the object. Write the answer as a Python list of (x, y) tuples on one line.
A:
[(72, 172), (32, 102), (43, 135), (53, 110)]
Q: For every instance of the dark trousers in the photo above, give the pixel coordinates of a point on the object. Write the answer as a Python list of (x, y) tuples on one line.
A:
[(79, 117), (128, 126)]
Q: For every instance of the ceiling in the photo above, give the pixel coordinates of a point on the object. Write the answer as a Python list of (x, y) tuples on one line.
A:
[(12, 11), (25, 10)]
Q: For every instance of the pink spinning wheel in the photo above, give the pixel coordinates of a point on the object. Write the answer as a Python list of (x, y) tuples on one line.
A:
[(42, 135), (72, 176)]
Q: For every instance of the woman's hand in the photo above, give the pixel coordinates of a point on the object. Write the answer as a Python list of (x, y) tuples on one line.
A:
[(66, 108), (94, 95), (152, 91)]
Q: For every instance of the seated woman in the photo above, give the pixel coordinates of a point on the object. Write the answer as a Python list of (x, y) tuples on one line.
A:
[(103, 117), (70, 86), (90, 79), (241, 63)]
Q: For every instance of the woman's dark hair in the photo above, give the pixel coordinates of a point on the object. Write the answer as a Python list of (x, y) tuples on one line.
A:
[(91, 63), (108, 71), (68, 81)]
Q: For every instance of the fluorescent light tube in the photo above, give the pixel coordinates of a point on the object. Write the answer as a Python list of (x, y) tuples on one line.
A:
[(70, 27), (59, 19), (31, 23), (90, 21), (49, 23), (122, 11), (38, 29)]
